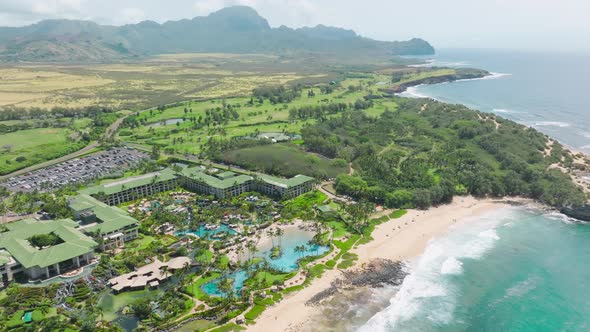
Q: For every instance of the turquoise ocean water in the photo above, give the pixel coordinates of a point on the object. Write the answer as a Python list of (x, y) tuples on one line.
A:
[(515, 269)]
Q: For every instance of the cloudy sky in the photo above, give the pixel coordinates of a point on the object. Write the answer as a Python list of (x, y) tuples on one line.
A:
[(553, 24)]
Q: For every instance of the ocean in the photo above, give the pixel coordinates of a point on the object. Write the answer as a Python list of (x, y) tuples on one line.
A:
[(548, 91), (519, 268)]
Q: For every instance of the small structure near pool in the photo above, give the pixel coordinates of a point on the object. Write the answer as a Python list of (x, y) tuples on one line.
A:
[(148, 275)]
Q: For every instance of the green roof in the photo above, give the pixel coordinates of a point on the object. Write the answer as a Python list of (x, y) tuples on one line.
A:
[(15, 241), (110, 218), (132, 182), (225, 175), (4, 257), (285, 183), (227, 182), (325, 209)]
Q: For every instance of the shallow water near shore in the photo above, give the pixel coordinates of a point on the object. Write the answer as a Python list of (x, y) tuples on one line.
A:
[(516, 269)]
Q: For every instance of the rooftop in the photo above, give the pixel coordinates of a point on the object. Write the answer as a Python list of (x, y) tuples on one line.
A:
[(110, 218), (15, 241), (223, 181), (132, 182), (149, 274), (285, 183)]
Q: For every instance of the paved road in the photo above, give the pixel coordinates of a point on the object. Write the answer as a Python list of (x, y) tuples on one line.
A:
[(94, 144)]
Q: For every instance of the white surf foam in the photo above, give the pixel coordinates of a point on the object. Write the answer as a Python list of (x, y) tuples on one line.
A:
[(412, 92), (552, 124), (562, 217), (452, 266), (522, 288), (429, 292), (491, 76), (428, 63), (506, 111)]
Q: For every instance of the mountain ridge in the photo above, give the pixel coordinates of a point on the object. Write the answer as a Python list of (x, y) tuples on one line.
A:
[(237, 29)]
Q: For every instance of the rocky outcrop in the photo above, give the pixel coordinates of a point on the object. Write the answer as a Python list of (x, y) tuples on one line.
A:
[(377, 273), (580, 213), (460, 74)]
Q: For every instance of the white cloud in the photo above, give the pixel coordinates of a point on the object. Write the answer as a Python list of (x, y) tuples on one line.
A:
[(56, 7), (130, 16), (205, 7)]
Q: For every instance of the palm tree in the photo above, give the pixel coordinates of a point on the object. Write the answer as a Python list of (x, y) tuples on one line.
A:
[(300, 250), (271, 234), (265, 268), (280, 232)]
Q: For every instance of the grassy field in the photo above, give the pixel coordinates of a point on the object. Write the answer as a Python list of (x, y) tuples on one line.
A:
[(285, 159), (136, 85), (28, 147), (171, 78)]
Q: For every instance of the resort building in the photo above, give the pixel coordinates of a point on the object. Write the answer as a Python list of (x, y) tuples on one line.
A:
[(133, 188), (114, 225), (148, 275), (70, 249), (197, 179), (285, 188), (222, 185)]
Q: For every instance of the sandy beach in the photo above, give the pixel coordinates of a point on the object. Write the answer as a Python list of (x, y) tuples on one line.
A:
[(398, 239)]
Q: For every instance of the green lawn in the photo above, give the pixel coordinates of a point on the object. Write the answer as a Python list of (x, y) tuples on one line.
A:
[(256, 311), (285, 159), (267, 279), (195, 288), (29, 147), (339, 229), (397, 214)]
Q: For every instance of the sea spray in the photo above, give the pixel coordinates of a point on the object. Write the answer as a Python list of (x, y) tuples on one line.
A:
[(429, 292)]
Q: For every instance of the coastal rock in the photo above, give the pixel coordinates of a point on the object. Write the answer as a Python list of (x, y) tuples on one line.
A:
[(460, 74), (377, 273), (581, 213)]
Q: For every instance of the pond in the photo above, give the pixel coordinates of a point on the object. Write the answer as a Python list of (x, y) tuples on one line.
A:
[(210, 234), (27, 317), (113, 304), (167, 122)]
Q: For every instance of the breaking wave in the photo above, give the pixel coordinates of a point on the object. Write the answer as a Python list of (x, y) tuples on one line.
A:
[(429, 292)]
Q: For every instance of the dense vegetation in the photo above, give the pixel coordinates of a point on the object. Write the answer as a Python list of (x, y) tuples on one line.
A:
[(426, 152)]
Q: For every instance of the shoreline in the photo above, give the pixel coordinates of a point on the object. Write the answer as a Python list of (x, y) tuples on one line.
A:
[(400, 239)]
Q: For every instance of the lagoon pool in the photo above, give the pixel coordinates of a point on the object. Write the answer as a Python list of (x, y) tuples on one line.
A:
[(288, 261), (292, 238), (239, 277), (209, 234)]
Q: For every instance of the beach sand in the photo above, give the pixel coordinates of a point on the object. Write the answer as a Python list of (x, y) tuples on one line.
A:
[(398, 239)]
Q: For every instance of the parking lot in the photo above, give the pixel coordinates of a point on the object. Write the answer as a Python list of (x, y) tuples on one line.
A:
[(79, 170)]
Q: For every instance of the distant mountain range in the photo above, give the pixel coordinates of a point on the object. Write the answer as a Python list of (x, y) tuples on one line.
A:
[(230, 30)]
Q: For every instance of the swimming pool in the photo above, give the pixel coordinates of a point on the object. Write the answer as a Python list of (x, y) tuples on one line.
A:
[(239, 277), (210, 233)]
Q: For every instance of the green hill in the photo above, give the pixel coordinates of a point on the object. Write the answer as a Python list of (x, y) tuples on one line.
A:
[(230, 30)]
